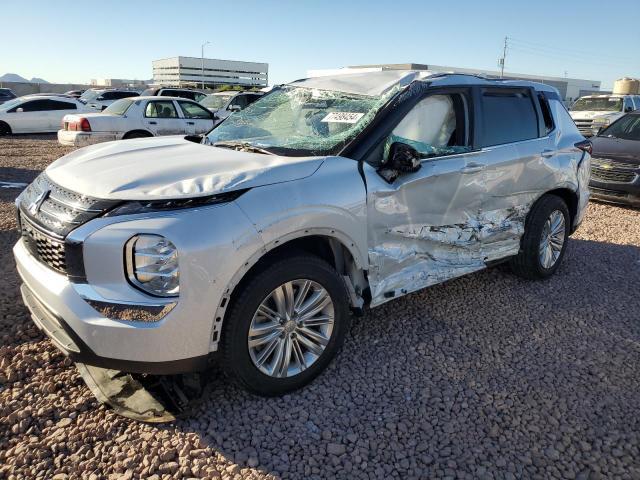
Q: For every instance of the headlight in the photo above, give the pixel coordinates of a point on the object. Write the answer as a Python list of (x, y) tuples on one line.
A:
[(152, 265)]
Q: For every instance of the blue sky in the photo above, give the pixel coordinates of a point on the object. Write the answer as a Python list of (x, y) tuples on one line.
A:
[(65, 41)]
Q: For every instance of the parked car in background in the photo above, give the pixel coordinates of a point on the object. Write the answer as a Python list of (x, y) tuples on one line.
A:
[(136, 117), (36, 113), (99, 98), (593, 112), (189, 93), (328, 194), (615, 166), (6, 94), (223, 104), (75, 93)]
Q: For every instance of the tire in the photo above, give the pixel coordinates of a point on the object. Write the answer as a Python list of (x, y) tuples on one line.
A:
[(5, 129), (239, 359), (130, 135), (530, 262)]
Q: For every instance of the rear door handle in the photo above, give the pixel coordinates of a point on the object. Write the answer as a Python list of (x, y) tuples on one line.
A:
[(153, 123), (548, 153), (190, 123), (473, 167)]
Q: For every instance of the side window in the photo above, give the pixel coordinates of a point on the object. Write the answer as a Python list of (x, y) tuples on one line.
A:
[(436, 126), (34, 106), (108, 96), (628, 106), (240, 101), (252, 98), (507, 115), (198, 96), (58, 105), (546, 114), (193, 110), (161, 110), (120, 95)]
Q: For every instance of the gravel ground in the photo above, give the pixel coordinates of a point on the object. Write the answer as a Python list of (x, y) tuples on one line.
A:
[(487, 376)]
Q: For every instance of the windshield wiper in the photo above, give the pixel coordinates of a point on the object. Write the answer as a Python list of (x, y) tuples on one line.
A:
[(243, 146)]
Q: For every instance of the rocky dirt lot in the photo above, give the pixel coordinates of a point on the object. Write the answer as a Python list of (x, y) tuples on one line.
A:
[(487, 376)]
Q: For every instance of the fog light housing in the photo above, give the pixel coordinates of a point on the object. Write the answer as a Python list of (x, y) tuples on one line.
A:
[(152, 265)]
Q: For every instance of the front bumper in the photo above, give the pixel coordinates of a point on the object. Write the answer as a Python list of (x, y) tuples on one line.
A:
[(615, 193), (82, 139), (107, 322), (87, 336), (69, 343)]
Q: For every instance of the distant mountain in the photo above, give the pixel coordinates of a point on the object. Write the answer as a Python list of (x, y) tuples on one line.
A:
[(14, 77)]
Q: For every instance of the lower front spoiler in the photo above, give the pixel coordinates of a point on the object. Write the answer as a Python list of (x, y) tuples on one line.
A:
[(617, 197), (72, 345)]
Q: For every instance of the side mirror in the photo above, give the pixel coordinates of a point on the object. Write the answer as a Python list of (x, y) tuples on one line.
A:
[(234, 108), (19, 110), (100, 98), (628, 109), (404, 158)]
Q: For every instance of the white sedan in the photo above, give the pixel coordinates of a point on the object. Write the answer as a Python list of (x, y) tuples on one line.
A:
[(136, 118), (36, 113)]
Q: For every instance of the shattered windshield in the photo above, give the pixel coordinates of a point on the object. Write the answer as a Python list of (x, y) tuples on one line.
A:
[(598, 104), (300, 121)]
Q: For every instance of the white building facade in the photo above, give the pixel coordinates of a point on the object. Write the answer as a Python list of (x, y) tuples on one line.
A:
[(194, 72), (570, 88)]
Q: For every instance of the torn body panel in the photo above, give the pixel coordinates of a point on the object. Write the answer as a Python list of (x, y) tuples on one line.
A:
[(413, 256)]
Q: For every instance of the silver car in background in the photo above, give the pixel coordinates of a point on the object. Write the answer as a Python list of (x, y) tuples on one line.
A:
[(324, 197)]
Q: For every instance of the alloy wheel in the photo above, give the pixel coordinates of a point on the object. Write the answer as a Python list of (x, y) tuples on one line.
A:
[(552, 239), (291, 328)]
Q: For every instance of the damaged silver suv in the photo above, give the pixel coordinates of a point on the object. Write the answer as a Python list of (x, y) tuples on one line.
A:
[(251, 245)]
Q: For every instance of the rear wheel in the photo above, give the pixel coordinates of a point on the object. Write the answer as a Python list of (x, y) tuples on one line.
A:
[(545, 239), (130, 135), (285, 326)]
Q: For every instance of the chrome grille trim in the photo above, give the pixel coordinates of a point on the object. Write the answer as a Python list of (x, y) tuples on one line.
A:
[(47, 214), (60, 210)]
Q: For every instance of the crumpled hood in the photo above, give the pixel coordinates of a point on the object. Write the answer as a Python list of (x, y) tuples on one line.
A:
[(171, 167)]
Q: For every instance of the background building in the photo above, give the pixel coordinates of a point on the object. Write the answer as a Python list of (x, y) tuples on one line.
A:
[(570, 88), (188, 71)]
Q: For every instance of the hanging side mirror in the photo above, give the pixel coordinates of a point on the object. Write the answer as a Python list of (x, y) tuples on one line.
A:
[(404, 158)]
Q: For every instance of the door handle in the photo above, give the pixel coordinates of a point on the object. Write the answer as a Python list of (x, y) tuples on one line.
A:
[(153, 123), (190, 123), (547, 153), (473, 167)]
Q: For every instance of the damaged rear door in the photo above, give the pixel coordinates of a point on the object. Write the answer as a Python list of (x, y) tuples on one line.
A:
[(424, 226)]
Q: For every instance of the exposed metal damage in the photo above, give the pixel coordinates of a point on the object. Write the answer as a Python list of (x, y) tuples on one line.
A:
[(414, 256)]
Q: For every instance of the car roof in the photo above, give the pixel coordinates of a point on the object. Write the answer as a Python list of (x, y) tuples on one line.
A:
[(156, 97), (51, 96), (380, 82)]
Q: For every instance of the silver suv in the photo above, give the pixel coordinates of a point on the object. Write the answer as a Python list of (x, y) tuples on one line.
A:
[(324, 197)]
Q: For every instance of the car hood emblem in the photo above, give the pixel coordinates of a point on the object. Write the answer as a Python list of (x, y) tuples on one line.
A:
[(34, 207)]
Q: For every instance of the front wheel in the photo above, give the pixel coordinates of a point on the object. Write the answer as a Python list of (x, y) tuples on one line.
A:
[(545, 239), (285, 326)]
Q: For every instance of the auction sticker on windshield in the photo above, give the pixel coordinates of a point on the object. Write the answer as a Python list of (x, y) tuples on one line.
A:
[(342, 117)]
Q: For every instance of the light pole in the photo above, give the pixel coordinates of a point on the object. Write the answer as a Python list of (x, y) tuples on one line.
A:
[(202, 58)]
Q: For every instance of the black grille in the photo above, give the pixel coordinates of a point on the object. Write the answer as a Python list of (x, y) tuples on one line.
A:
[(606, 162), (612, 174), (609, 193), (48, 250), (47, 214)]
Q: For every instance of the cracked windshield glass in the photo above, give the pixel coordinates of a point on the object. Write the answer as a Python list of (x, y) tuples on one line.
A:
[(298, 121)]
